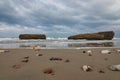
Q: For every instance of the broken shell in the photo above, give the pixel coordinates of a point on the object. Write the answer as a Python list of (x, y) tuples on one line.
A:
[(87, 68)]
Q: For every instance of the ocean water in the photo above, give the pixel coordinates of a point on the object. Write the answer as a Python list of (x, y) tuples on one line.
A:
[(57, 43)]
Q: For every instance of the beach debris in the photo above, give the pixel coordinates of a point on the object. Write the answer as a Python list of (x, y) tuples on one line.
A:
[(89, 52), (87, 68), (67, 60), (118, 51), (48, 71), (38, 54), (56, 58), (106, 52), (25, 60), (26, 57), (16, 66), (3, 51), (115, 67), (36, 48), (84, 51), (101, 71), (52, 58)]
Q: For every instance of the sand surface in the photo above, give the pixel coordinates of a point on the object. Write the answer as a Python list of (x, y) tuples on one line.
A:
[(12, 67)]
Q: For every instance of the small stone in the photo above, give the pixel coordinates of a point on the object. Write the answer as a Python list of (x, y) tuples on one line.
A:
[(60, 59), (67, 60), (101, 71), (48, 71), (40, 55), (84, 51), (51, 58)]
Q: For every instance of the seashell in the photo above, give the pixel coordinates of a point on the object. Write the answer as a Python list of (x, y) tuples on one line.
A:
[(115, 67), (3, 51), (89, 51), (118, 51), (25, 60), (106, 52), (36, 48), (87, 68)]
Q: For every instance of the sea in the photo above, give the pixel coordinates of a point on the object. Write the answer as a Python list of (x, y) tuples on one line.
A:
[(57, 43)]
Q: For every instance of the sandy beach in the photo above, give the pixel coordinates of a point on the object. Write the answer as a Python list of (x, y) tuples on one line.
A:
[(67, 67)]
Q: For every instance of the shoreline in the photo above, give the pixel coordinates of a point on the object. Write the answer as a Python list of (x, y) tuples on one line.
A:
[(66, 48)]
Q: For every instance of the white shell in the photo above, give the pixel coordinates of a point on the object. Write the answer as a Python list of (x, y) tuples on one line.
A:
[(115, 67), (105, 51), (2, 51), (36, 48), (86, 68), (89, 51), (118, 51)]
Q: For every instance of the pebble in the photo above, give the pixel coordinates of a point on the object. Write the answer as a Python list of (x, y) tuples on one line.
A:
[(67, 60), (48, 71)]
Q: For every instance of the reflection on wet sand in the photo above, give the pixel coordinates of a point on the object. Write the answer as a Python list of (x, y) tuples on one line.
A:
[(103, 44)]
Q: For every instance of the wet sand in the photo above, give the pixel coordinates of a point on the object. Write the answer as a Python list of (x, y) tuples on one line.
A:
[(12, 66)]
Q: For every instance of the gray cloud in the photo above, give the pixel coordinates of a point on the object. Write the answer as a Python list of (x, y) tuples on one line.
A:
[(58, 18)]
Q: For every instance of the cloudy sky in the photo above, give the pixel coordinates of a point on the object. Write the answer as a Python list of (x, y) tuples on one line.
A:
[(58, 18)]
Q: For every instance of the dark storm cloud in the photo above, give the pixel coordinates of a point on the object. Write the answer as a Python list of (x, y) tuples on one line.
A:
[(59, 17)]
